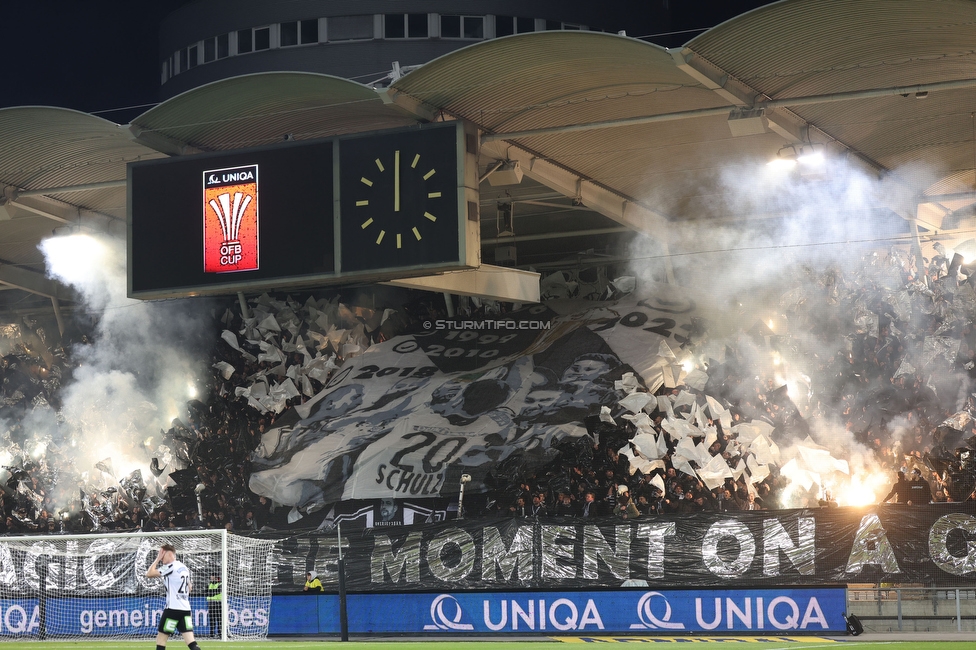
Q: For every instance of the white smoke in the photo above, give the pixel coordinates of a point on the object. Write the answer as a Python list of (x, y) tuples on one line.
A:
[(141, 366), (781, 236), (772, 222)]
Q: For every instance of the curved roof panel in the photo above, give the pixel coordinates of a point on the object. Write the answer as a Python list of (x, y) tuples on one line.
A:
[(794, 48), (260, 109), (544, 79), (552, 79), (45, 147), (808, 47), (799, 48), (894, 131)]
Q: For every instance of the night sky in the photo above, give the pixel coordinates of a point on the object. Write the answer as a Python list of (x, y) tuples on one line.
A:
[(89, 55), (100, 56)]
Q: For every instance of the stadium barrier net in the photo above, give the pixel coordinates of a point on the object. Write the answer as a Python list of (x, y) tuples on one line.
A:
[(75, 587)]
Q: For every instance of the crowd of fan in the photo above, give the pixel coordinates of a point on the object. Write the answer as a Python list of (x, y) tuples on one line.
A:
[(907, 344), (49, 492), (898, 383), (199, 469), (597, 482)]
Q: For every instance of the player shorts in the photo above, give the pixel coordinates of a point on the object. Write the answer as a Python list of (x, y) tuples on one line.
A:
[(174, 620)]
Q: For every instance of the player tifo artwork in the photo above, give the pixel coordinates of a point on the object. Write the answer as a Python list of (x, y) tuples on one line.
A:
[(499, 398), (475, 395)]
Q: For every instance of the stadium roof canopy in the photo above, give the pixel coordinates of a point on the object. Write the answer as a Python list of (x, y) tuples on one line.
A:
[(615, 135)]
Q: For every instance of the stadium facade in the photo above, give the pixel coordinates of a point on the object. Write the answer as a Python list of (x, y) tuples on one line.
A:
[(215, 39)]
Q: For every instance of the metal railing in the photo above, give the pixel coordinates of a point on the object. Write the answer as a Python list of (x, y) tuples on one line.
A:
[(913, 609)]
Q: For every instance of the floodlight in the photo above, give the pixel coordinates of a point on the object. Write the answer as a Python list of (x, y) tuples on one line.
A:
[(785, 158), (508, 173), (747, 121)]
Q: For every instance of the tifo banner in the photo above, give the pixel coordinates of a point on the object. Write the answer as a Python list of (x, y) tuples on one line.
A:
[(561, 612), (932, 545), (404, 419)]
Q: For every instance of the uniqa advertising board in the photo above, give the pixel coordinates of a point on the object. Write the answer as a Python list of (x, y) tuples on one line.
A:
[(634, 611), (125, 616)]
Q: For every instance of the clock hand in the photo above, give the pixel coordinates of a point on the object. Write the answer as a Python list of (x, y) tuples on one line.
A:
[(396, 181)]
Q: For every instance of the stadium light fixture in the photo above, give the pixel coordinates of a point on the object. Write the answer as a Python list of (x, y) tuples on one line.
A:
[(811, 154), (967, 249), (810, 159), (747, 121), (508, 173), (785, 158), (505, 219)]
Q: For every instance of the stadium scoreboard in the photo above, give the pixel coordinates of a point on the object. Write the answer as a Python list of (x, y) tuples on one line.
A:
[(365, 207)]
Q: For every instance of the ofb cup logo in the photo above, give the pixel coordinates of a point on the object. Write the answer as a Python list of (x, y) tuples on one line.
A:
[(230, 219), (444, 621), (651, 622)]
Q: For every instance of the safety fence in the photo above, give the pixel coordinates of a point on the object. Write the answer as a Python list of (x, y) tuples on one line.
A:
[(913, 608)]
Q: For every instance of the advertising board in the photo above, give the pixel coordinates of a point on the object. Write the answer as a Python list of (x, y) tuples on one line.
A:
[(123, 616), (632, 611)]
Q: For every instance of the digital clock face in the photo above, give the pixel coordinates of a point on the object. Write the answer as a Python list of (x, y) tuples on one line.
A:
[(399, 200)]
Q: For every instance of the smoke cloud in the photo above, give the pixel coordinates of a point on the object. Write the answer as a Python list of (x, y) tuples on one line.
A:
[(805, 265), (135, 375)]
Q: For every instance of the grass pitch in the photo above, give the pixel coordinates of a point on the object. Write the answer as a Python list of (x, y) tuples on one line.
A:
[(562, 643)]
